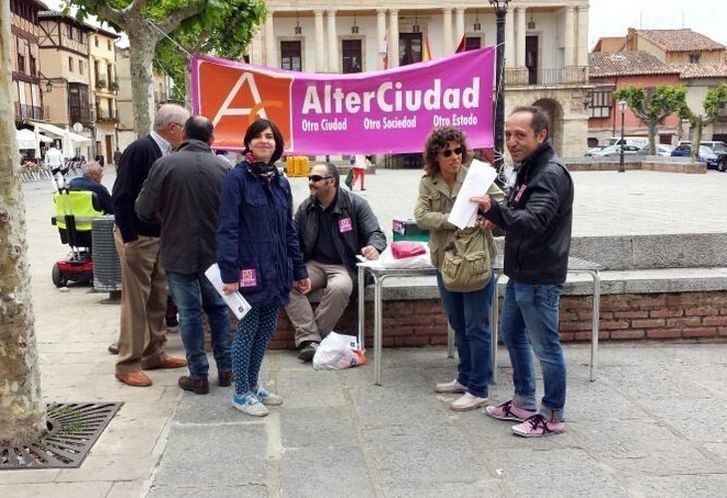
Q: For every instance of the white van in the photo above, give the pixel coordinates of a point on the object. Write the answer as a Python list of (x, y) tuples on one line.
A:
[(637, 141)]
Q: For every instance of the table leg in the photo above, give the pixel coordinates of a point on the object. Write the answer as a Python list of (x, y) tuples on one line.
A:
[(377, 330), (361, 307), (450, 341), (594, 329)]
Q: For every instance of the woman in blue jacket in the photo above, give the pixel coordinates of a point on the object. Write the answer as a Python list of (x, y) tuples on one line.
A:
[(258, 254)]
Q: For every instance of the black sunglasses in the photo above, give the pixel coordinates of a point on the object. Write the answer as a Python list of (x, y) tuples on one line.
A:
[(449, 152), (317, 178)]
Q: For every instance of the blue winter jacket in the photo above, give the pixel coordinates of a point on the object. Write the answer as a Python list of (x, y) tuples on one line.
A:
[(256, 239)]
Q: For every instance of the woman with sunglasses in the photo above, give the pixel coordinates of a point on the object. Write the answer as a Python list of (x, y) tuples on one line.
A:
[(445, 154), (258, 254)]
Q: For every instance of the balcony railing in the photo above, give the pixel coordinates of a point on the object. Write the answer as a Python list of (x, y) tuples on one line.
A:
[(106, 117), (23, 112), (568, 75)]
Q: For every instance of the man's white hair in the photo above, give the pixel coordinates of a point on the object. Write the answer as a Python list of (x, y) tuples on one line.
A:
[(170, 113), (91, 167)]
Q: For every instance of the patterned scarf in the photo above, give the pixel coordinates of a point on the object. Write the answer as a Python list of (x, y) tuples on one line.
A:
[(260, 169)]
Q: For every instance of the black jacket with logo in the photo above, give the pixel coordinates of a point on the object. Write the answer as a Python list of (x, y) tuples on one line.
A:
[(537, 220), (364, 231)]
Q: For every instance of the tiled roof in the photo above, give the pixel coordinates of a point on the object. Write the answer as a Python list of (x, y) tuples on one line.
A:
[(703, 70), (610, 44), (680, 40), (627, 63)]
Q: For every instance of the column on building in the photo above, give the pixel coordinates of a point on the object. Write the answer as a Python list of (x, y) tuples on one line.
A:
[(509, 40), (582, 45), (393, 41), (321, 65), (520, 33), (332, 42), (458, 25), (569, 41), (271, 50), (447, 31), (381, 36)]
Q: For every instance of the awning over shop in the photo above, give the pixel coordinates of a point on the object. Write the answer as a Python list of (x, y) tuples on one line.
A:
[(61, 133), (27, 139)]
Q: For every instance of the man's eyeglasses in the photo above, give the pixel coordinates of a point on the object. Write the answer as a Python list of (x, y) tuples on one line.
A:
[(449, 152), (317, 178)]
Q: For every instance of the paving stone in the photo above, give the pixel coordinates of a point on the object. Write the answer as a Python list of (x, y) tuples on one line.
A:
[(692, 417), (418, 489), (223, 454), (683, 485), (75, 489), (209, 490), (316, 426)]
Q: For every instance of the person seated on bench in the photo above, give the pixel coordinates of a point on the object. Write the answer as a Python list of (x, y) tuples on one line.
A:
[(91, 180), (334, 226)]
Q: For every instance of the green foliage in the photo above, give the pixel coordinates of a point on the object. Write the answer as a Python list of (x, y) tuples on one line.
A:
[(653, 105), (716, 97)]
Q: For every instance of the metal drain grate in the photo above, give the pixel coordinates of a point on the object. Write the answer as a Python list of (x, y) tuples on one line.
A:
[(73, 428)]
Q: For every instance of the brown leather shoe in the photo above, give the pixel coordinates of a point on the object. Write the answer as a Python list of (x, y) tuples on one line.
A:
[(225, 378), (114, 348), (197, 386), (168, 362), (136, 379)]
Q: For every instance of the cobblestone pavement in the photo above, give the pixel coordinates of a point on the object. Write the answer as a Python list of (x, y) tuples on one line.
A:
[(651, 425)]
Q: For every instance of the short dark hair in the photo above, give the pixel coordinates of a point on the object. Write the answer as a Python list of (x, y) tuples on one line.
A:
[(198, 128), (437, 141), (540, 120), (332, 171), (259, 126)]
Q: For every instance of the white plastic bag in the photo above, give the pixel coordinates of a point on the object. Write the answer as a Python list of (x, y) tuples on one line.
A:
[(338, 351)]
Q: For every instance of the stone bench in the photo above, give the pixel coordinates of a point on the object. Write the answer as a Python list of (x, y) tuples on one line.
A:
[(652, 286)]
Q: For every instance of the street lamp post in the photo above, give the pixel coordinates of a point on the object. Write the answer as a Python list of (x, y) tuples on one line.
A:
[(500, 12), (621, 167)]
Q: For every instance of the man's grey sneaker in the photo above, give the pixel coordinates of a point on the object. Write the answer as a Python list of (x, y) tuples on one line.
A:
[(450, 387), (250, 405), (508, 411), (268, 398), (307, 351), (538, 426)]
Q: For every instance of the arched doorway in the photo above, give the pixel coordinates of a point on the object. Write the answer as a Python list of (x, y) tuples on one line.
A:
[(555, 111)]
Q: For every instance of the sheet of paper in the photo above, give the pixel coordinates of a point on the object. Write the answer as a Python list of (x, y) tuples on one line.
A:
[(478, 180), (235, 301)]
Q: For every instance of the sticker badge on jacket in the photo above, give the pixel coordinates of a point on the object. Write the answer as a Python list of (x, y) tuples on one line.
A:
[(345, 225), (248, 278)]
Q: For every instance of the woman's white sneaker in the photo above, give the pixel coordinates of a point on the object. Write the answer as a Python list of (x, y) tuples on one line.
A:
[(450, 387), (468, 402)]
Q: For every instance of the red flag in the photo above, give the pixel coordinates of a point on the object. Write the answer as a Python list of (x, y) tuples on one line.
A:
[(462, 45)]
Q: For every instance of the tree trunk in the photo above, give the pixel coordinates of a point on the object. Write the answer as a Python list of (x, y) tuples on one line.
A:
[(697, 125), (652, 138), (22, 411), (141, 47)]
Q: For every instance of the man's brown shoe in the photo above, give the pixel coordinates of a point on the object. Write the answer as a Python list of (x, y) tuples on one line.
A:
[(225, 378), (197, 386), (136, 379), (168, 362), (114, 348)]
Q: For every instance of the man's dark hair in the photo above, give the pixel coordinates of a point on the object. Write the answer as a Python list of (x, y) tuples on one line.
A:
[(259, 126), (332, 171), (198, 128), (540, 118)]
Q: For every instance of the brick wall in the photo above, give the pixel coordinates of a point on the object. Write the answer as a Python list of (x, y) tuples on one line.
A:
[(623, 316)]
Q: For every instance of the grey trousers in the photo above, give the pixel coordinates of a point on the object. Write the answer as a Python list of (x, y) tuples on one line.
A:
[(337, 287)]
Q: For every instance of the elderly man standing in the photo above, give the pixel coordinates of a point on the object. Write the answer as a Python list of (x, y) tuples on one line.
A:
[(183, 191), (334, 226), (91, 180), (537, 219), (142, 333)]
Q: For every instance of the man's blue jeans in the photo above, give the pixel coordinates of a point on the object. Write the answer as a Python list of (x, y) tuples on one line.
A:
[(192, 293), (530, 315), (469, 316)]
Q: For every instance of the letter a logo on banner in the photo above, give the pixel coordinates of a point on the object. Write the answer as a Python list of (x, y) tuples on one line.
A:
[(233, 97)]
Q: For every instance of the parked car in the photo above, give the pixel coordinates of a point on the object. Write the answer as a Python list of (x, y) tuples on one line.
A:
[(661, 150), (638, 141), (717, 148), (705, 154), (614, 151)]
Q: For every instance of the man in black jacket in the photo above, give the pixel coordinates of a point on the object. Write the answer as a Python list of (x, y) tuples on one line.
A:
[(334, 226), (537, 221), (183, 192), (142, 334)]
